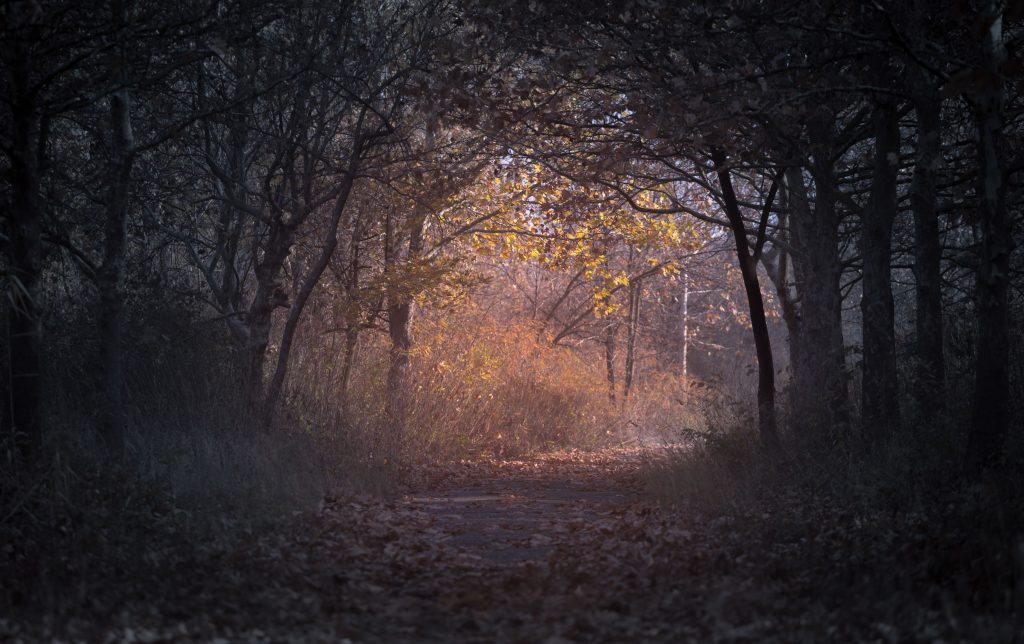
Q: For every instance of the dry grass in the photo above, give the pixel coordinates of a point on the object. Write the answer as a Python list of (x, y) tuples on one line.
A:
[(480, 385), (484, 386), (195, 440)]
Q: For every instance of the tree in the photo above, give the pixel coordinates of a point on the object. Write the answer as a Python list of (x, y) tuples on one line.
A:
[(880, 415), (990, 410), (26, 121)]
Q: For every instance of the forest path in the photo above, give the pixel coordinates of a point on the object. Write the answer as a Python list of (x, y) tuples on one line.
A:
[(510, 537), (559, 549), (507, 513)]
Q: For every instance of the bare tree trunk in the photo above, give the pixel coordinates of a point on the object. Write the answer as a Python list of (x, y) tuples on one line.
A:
[(609, 358), (24, 248), (821, 403), (776, 264), (290, 205), (233, 215), (991, 409), (351, 342), (352, 320), (880, 415), (758, 321), (309, 283), (269, 295), (931, 372), (401, 309), (635, 291), (777, 268), (110, 276), (400, 315), (686, 333)]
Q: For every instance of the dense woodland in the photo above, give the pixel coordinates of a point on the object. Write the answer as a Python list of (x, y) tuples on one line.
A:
[(256, 253)]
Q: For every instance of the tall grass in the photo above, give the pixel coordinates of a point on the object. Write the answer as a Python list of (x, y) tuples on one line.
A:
[(193, 434)]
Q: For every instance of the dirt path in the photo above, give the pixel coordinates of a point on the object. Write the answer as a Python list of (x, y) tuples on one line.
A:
[(506, 531), (516, 513), (556, 550), (488, 551)]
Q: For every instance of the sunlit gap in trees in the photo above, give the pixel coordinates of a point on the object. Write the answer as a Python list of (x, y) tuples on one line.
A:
[(594, 284)]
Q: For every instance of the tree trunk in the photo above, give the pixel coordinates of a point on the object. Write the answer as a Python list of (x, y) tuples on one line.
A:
[(401, 309), (352, 319), (821, 404), (991, 409), (931, 367), (635, 291), (400, 315), (351, 342), (269, 295), (24, 249), (232, 221), (775, 260), (110, 276), (609, 358), (776, 264), (309, 283), (880, 415), (758, 321), (232, 181)]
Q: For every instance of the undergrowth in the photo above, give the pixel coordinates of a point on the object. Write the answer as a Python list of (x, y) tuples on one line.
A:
[(904, 516), (198, 469), (485, 387)]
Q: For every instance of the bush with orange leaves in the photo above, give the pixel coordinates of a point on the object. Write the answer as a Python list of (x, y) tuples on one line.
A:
[(481, 385), (484, 386)]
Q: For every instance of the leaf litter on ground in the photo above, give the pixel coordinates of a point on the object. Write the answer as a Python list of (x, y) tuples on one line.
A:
[(565, 547)]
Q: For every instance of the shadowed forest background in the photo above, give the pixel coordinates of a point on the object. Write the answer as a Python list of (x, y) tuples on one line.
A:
[(277, 264)]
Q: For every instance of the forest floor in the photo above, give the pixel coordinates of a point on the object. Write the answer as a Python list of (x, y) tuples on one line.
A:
[(561, 548)]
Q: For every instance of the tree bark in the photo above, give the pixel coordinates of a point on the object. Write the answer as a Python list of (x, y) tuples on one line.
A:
[(635, 291), (269, 295), (401, 309), (231, 179), (351, 342), (880, 415), (821, 404), (310, 281), (685, 306), (991, 409), (110, 276), (758, 321), (931, 367), (352, 319), (776, 264), (290, 204), (24, 250), (400, 316), (609, 358)]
